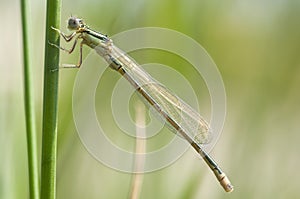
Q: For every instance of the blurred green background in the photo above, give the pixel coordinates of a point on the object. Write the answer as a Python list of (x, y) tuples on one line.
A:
[(255, 45)]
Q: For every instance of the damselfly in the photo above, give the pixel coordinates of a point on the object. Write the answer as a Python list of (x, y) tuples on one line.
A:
[(180, 117)]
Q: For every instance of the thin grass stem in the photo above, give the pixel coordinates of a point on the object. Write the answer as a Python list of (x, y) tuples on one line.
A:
[(50, 101), (30, 120), (140, 150)]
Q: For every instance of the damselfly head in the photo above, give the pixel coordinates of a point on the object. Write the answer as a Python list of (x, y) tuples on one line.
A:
[(75, 23)]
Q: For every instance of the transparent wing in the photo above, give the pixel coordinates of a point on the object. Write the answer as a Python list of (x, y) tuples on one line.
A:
[(184, 115)]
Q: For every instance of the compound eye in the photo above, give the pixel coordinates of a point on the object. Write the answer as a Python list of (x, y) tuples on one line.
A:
[(72, 23)]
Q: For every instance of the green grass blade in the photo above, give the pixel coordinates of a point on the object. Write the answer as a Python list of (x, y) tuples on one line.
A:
[(49, 140), (29, 110)]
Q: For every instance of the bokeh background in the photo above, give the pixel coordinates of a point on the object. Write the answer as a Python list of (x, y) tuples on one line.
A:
[(255, 45)]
